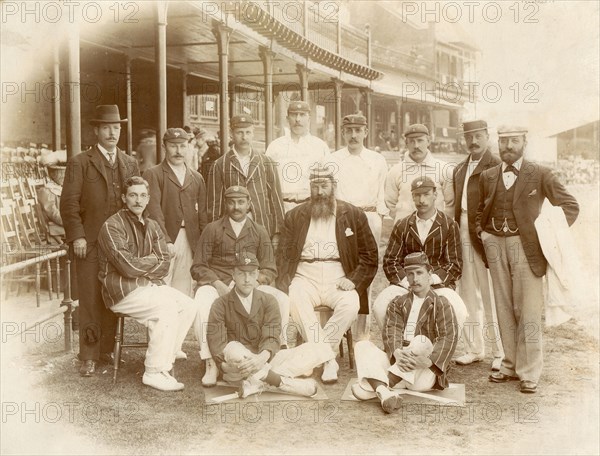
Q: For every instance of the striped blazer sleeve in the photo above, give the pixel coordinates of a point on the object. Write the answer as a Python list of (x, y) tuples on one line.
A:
[(450, 270), (445, 332), (215, 190), (395, 253), (393, 332), (159, 248), (114, 243), (275, 196)]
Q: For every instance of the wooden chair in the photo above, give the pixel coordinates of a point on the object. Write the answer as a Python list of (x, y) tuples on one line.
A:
[(324, 313), (120, 344)]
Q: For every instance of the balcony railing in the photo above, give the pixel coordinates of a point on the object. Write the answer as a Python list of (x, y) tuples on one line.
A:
[(384, 55)]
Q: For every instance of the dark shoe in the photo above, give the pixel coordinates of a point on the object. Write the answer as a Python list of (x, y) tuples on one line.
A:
[(499, 377), (527, 386), (88, 368)]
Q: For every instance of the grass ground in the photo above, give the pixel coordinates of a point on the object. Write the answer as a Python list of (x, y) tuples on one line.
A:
[(48, 409)]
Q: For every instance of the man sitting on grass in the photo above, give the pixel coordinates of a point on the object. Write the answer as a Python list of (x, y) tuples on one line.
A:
[(243, 333), (420, 335)]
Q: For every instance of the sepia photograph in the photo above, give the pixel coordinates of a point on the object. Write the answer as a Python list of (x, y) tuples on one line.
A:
[(300, 227)]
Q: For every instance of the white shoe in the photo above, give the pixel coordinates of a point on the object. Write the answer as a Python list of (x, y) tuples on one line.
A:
[(211, 373), (468, 358), (251, 386), (161, 381), (298, 386), (362, 394), (496, 363), (330, 371), (390, 401), (180, 354)]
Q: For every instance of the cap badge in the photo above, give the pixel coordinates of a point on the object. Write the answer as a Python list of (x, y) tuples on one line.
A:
[(418, 183), (247, 260), (236, 189)]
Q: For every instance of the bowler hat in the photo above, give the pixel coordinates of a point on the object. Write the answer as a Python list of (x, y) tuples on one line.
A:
[(246, 261), (107, 114)]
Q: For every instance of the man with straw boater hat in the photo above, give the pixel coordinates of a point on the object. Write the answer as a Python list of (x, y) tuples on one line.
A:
[(91, 193)]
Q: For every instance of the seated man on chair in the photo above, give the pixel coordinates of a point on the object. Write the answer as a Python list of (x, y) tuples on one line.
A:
[(327, 256), (133, 263), (214, 261), (432, 232), (243, 336), (420, 335)]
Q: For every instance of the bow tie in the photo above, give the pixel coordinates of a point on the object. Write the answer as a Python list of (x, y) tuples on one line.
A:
[(512, 169)]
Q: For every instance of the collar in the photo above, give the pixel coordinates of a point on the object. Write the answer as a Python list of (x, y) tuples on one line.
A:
[(244, 299), (143, 220), (234, 223), (516, 164), (237, 155), (177, 170), (105, 152), (430, 219), (302, 138)]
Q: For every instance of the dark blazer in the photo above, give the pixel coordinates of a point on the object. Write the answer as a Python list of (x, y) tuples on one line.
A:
[(534, 183), (442, 247), (436, 321), (488, 160), (83, 203), (170, 202), (356, 244), (228, 321), (262, 182)]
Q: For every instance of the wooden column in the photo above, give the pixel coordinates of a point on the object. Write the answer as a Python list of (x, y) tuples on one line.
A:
[(128, 94), (368, 94), (56, 134), (267, 56), (185, 105), (73, 82), (303, 74), (337, 91), (399, 119), (222, 34), (160, 59)]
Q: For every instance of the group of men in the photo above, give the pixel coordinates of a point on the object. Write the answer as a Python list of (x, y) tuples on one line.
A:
[(274, 235)]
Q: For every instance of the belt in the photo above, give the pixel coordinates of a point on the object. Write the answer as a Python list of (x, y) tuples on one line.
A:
[(297, 201), (318, 260), (369, 208)]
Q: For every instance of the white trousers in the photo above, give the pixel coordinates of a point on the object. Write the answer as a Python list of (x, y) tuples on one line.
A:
[(167, 313), (475, 290), (205, 297), (315, 285), (290, 362), (179, 276), (373, 363), (388, 294)]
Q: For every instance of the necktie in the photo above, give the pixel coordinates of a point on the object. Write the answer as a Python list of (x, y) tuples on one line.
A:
[(512, 169)]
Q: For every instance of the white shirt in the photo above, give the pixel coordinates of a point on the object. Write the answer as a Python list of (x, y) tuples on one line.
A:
[(237, 226), (179, 172), (294, 160), (398, 197), (106, 153), (244, 160), (423, 226), (320, 240), (470, 168), (246, 302), (360, 178), (413, 317), (509, 177)]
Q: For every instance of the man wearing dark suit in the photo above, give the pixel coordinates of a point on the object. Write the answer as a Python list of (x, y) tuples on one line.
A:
[(178, 204), (511, 197), (474, 286), (91, 193), (328, 256)]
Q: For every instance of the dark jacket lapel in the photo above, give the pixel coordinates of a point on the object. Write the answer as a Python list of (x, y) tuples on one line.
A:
[(97, 159)]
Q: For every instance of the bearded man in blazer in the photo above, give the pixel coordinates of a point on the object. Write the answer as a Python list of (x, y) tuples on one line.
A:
[(474, 286), (91, 193), (327, 256), (511, 197)]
